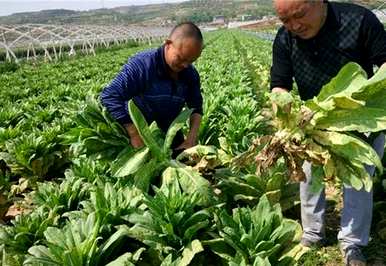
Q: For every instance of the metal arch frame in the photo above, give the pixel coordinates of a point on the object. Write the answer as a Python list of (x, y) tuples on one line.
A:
[(381, 6), (47, 29), (28, 34), (85, 37), (9, 51), (21, 35)]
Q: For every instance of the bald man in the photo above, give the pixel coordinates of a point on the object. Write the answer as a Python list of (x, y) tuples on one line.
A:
[(160, 81), (317, 39)]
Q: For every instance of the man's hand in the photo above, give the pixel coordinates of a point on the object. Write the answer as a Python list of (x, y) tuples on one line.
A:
[(277, 89), (135, 138), (287, 108), (136, 141), (191, 139)]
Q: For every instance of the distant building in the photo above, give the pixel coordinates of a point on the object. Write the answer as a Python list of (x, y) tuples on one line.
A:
[(208, 28), (218, 20), (217, 23), (247, 17), (266, 22), (167, 22)]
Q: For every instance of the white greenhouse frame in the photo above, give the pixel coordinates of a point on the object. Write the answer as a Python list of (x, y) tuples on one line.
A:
[(57, 40)]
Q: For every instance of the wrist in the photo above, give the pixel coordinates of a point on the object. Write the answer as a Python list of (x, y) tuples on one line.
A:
[(131, 130), (191, 137)]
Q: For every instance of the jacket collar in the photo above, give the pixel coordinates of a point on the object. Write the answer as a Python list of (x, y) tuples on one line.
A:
[(163, 69), (332, 19)]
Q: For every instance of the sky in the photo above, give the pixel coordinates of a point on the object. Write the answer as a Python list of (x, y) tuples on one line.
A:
[(10, 7)]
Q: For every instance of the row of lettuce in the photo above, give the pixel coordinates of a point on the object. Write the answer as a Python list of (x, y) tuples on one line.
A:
[(90, 199)]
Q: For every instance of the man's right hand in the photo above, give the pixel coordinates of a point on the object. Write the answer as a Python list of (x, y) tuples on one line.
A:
[(287, 108), (135, 139), (278, 89)]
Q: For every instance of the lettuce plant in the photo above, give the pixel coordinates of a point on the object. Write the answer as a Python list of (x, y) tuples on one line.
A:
[(77, 243), (257, 236), (151, 160), (172, 224), (324, 130)]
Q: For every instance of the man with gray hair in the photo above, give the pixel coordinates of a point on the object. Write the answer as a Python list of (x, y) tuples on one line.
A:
[(317, 39), (160, 82)]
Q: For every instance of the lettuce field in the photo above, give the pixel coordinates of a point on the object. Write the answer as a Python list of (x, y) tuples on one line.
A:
[(74, 192)]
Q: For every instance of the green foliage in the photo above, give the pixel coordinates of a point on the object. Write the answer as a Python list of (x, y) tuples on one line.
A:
[(128, 259), (112, 205), (146, 133), (232, 100), (92, 171), (334, 111), (246, 189), (129, 162), (8, 67), (96, 134), (27, 230), (77, 243), (350, 102), (172, 224), (255, 236), (101, 204), (190, 181), (160, 157), (62, 197), (9, 258), (35, 154)]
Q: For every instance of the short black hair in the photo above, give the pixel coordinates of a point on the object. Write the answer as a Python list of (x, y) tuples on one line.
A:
[(187, 30)]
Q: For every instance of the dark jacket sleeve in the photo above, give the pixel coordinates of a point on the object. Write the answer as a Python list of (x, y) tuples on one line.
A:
[(281, 70), (194, 97), (127, 84), (374, 36)]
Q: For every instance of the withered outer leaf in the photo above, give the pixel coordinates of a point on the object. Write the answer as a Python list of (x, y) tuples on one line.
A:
[(316, 153), (294, 166), (330, 170), (306, 116), (248, 157), (268, 156)]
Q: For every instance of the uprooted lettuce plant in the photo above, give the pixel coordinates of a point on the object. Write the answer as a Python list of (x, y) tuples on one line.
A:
[(326, 130)]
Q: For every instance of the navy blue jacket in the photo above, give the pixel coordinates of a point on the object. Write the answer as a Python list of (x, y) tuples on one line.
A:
[(146, 80)]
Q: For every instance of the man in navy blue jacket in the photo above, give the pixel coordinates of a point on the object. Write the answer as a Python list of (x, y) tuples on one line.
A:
[(160, 82)]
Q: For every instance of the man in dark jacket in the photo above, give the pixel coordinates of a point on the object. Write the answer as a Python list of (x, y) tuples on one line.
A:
[(160, 82), (317, 39)]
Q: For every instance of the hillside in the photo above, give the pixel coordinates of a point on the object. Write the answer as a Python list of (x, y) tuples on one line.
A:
[(195, 10), (198, 11)]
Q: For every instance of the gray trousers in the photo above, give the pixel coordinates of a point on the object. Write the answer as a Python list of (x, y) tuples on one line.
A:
[(357, 208)]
